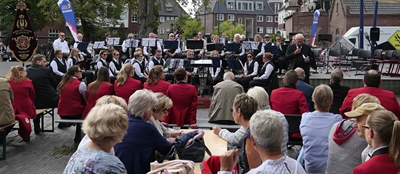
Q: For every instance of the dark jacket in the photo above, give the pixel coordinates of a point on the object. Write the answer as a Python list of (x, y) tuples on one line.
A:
[(297, 60), (339, 93), (45, 86), (308, 90)]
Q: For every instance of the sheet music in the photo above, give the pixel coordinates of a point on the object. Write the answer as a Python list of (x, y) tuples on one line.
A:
[(249, 45), (113, 41), (98, 45), (149, 42), (132, 43)]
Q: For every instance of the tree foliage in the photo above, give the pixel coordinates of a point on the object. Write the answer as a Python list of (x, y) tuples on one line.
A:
[(229, 28), (189, 25)]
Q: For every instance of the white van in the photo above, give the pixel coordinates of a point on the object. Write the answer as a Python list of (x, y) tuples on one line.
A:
[(385, 34)]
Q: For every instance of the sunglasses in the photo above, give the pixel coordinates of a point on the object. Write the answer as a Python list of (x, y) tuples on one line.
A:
[(62, 35), (249, 56)]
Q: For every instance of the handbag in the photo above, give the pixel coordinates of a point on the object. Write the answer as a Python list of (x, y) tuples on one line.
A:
[(194, 152), (172, 167)]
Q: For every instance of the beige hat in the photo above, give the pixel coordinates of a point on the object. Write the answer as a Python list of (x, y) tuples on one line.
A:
[(364, 109)]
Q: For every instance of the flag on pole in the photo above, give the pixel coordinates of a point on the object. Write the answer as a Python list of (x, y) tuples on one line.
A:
[(68, 12), (314, 26)]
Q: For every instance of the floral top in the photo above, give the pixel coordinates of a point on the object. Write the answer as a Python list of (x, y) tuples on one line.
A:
[(86, 160)]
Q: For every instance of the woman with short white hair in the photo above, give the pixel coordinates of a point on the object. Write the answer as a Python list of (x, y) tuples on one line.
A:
[(105, 125), (137, 149)]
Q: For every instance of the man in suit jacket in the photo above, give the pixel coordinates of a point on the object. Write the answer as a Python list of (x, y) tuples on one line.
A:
[(222, 100), (372, 81), (184, 97), (7, 112), (45, 86), (307, 89), (339, 91), (300, 55)]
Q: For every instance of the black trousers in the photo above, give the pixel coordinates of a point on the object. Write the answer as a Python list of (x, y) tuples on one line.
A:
[(282, 63), (262, 83), (78, 131), (245, 82)]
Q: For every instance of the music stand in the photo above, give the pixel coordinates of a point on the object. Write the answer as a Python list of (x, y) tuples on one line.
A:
[(218, 47), (132, 43), (232, 47), (216, 61), (222, 40), (249, 45), (82, 46), (195, 44), (113, 41), (176, 63), (170, 44), (272, 49), (149, 42)]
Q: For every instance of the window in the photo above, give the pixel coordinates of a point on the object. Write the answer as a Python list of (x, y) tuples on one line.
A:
[(162, 19), (260, 29), (176, 18), (136, 34), (276, 30), (169, 8), (53, 33), (231, 17), (167, 18), (276, 18), (270, 19), (172, 18), (167, 30), (221, 17), (277, 5), (245, 6), (269, 30), (161, 30), (259, 6), (230, 5), (134, 17), (260, 18), (240, 21)]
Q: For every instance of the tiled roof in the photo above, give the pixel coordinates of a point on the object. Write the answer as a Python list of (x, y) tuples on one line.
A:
[(369, 5), (176, 8), (224, 10)]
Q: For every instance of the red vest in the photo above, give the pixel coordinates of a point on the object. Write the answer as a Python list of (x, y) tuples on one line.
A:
[(71, 102)]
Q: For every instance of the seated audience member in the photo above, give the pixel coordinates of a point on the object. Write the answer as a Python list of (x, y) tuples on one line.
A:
[(125, 85), (287, 99), (24, 96), (382, 133), (315, 134), (45, 87), (72, 98), (184, 97), (372, 81), (100, 87), (250, 70), (105, 125), (137, 150), (344, 140), (222, 100), (243, 108), (266, 137), (339, 91), (107, 99), (163, 104), (140, 67), (58, 65), (156, 82), (265, 75), (305, 88), (360, 114), (7, 113)]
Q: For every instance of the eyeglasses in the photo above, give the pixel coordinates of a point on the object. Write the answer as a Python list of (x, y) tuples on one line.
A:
[(62, 35), (365, 127), (249, 56), (104, 54)]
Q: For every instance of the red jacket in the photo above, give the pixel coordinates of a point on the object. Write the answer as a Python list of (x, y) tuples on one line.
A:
[(71, 102), (160, 86), (127, 89), (184, 99), (105, 88), (377, 164), (387, 99), (24, 97), (288, 101)]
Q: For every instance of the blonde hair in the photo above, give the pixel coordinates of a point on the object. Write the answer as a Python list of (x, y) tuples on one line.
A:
[(106, 123), (138, 49), (15, 74), (163, 102), (73, 50), (213, 52), (259, 94), (363, 98), (387, 129), (137, 54), (124, 73), (322, 98), (107, 99), (154, 75), (268, 55)]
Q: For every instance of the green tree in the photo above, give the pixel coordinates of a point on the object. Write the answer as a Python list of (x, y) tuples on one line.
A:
[(229, 29), (189, 25), (273, 36)]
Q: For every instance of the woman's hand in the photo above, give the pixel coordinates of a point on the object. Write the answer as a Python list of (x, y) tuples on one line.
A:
[(216, 130), (193, 126), (176, 133)]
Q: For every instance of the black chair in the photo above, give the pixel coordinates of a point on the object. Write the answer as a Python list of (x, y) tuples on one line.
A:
[(294, 127), (388, 58), (362, 64)]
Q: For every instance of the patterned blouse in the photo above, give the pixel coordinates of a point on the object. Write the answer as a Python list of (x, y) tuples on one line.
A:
[(243, 154), (86, 160)]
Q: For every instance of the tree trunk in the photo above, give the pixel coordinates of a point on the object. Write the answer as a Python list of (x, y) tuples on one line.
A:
[(151, 16), (85, 28), (142, 21)]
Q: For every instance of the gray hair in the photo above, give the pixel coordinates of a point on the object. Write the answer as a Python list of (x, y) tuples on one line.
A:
[(243, 36), (259, 94), (140, 102), (267, 130), (337, 75), (300, 73), (229, 76), (299, 36), (236, 35)]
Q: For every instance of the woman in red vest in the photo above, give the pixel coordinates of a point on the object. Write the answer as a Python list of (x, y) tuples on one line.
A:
[(100, 87), (24, 95), (125, 85), (72, 98), (156, 82)]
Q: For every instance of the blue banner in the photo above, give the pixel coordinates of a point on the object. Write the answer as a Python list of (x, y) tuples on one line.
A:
[(314, 26), (68, 12)]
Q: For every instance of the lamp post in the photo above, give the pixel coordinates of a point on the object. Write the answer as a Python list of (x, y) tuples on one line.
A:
[(361, 32), (218, 18)]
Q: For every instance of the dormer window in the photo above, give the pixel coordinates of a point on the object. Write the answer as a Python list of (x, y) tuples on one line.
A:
[(230, 5), (169, 8), (244, 5), (259, 6)]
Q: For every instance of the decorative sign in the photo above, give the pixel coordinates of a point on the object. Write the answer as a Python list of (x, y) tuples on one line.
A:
[(22, 41), (394, 40)]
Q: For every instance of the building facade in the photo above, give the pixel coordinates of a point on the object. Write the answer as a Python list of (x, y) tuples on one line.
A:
[(169, 13)]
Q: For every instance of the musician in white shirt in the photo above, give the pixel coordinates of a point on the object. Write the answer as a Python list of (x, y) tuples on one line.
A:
[(103, 62), (127, 45), (148, 50), (250, 71), (61, 44), (215, 72), (86, 52)]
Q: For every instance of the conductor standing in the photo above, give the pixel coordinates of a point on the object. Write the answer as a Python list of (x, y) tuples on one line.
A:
[(300, 55)]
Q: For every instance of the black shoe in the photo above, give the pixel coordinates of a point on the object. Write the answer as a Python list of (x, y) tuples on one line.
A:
[(37, 130), (63, 125)]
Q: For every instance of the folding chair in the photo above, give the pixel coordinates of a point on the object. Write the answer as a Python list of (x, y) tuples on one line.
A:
[(363, 64)]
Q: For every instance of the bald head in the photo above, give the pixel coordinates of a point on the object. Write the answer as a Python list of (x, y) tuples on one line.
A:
[(229, 76), (300, 73)]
